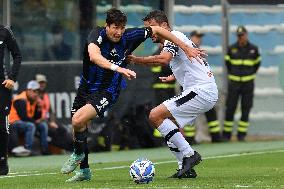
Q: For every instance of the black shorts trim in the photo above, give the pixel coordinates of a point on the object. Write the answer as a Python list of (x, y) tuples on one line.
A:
[(185, 98)]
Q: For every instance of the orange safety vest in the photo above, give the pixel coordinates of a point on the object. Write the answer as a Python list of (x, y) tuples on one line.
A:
[(45, 106), (29, 107)]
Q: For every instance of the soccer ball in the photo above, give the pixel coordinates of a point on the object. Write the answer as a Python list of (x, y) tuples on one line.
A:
[(142, 171)]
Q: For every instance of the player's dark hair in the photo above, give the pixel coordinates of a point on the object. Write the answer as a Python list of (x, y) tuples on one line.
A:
[(115, 16), (158, 15)]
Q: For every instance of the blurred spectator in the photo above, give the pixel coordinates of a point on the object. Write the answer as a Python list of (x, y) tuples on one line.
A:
[(162, 90), (25, 116), (46, 114), (44, 103), (242, 62), (55, 132), (134, 130), (211, 115), (100, 133), (196, 37), (59, 49)]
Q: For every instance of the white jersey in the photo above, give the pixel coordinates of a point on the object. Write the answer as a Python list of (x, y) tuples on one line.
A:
[(191, 74)]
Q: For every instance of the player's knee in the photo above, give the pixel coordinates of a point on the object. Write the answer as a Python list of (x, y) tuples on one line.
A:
[(76, 122), (154, 118)]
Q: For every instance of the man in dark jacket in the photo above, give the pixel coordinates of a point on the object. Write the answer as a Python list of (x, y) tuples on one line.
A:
[(7, 82)]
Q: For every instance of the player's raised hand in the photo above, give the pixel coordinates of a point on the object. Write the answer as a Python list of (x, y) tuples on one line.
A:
[(129, 74), (196, 53), (167, 79)]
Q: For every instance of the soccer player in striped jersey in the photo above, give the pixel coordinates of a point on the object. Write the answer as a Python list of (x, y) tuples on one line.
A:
[(199, 93), (104, 65)]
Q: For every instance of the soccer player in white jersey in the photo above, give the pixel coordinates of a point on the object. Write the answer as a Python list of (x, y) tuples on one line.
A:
[(199, 94)]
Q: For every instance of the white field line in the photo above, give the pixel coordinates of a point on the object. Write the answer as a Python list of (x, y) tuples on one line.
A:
[(36, 173), (27, 175), (17, 173), (242, 186)]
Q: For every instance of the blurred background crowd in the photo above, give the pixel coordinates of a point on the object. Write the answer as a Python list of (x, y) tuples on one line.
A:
[(51, 36)]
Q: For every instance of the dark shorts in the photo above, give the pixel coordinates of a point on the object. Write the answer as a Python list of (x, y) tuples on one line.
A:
[(100, 100), (6, 101)]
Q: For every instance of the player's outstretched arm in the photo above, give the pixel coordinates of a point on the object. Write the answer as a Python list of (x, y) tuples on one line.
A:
[(97, 58), (190, 52), (156, 60)]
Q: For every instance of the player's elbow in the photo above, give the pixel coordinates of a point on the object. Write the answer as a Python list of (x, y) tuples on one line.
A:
[(154, 29), (163, 63), (93, 59)]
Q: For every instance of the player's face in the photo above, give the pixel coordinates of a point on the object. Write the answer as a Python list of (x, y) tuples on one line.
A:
[(114, 32), (153, 22)]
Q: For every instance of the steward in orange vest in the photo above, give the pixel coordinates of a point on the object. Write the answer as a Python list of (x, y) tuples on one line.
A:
[(24, 108), (24, 115)]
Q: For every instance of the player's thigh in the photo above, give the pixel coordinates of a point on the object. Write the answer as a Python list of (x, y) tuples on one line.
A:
[(84, 114), (160, 112)]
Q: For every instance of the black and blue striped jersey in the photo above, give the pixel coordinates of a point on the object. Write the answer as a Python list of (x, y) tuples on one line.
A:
[(98, 78)]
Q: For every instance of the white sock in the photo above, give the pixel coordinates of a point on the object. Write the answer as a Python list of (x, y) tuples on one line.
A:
[(177, 139), (178, 155)]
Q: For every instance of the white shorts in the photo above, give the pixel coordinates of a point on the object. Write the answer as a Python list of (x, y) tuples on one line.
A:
[(187, 106)]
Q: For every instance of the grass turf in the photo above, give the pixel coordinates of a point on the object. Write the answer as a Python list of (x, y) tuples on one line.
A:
[(225, 165)]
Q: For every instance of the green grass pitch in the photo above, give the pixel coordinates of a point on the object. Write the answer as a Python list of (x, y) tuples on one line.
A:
[(224, 165)]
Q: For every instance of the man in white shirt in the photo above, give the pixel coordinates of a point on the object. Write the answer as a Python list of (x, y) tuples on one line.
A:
[(198, 96)]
